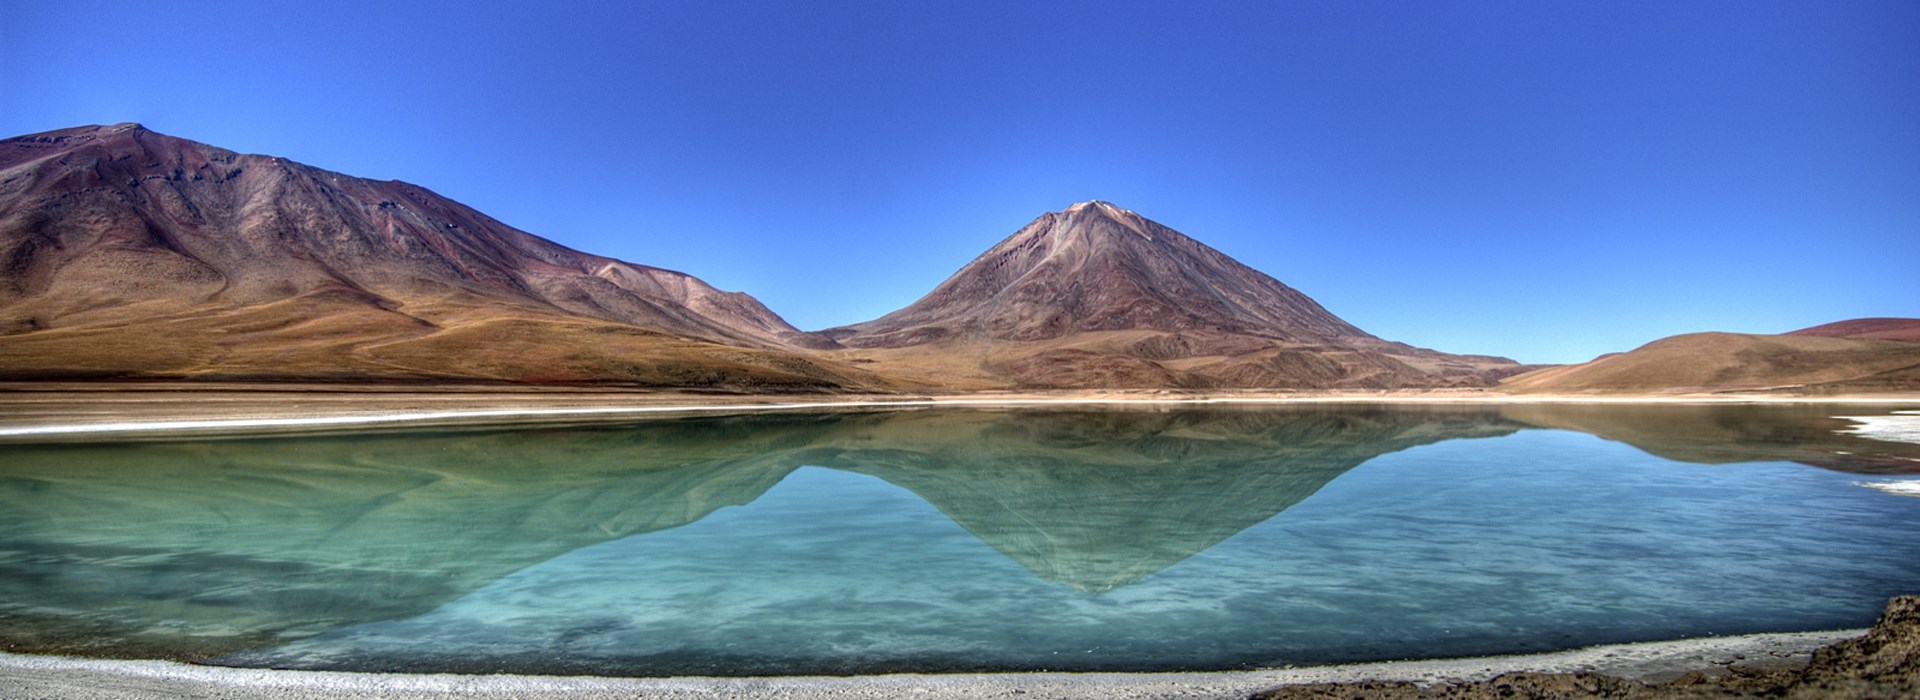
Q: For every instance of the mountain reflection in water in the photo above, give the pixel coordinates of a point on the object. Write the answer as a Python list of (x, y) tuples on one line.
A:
[(194, 549)]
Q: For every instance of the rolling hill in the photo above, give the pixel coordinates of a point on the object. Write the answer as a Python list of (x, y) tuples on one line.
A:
[(1824, 362), (1877, 328)]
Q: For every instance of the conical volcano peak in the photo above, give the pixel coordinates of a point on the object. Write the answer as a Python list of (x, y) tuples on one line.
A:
[(1096, 267), (1079, 216), (1096, 296), (1100, 207)]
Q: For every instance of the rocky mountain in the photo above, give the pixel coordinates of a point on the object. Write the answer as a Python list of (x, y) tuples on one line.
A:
[(1098, 296), (1097, 267), (131, 253), (125, 253), (1837, 358)]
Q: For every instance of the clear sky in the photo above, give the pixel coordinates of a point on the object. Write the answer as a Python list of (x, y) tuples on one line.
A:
[(1543, 180)]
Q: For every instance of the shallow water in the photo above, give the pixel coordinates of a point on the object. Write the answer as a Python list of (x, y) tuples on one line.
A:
[(958, 540)]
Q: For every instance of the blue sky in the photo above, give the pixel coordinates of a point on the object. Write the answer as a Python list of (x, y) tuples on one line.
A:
[(1544, 180)]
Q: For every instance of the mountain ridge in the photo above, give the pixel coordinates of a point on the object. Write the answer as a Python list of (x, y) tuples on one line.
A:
[(128, 253), (111, 233), (418, 224)]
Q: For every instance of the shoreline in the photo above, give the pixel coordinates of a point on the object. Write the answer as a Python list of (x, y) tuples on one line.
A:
[(105, 410), (25, 675)]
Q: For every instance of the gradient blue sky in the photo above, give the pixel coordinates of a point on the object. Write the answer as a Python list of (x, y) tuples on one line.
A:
[(1543, 180)]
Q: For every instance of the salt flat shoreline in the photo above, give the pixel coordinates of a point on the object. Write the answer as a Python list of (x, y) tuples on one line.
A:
[(97, 409), (39, 411), (24, 675)]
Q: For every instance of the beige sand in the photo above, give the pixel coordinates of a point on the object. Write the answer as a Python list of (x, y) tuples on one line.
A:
[(43, 410), (88, 679)]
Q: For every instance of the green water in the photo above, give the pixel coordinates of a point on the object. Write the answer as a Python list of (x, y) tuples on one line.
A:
[(957, 540)]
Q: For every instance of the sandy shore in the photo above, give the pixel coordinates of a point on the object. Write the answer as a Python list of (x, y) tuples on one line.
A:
[(23, 676), (51, 410)]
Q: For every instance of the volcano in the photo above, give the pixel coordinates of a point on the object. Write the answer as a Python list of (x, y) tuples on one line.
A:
[(1097, 296)]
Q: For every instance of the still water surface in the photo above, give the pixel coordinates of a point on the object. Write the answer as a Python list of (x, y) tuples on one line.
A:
[(957, 540)]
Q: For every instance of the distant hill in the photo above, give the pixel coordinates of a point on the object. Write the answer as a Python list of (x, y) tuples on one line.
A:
[(1881, 328), (130, 253), (1801, 362), (1097, 296)]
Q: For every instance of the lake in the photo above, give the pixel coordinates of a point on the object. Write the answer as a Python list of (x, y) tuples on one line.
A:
[(949, 540)]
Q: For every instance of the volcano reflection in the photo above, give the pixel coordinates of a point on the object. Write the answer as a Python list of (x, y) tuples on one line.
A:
[(192, 549), (196, 549)]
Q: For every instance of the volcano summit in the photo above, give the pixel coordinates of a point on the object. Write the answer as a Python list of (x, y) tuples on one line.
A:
[(1097, 296)]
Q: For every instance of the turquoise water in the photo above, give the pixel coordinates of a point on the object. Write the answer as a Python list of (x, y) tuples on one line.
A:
[(946, 541)]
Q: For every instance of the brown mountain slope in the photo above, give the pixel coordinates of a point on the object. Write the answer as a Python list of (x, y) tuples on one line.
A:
[(131, 253), (1881, 328), (1096, 267), (1708, 362), (1098, 296)]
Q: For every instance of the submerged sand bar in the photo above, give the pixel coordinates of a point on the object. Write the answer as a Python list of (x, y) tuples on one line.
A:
[(93, 679)]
